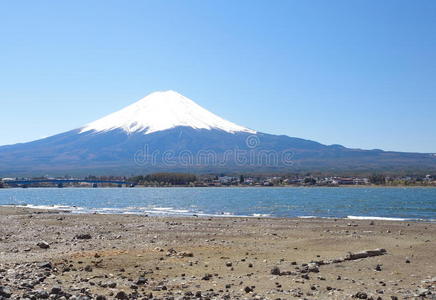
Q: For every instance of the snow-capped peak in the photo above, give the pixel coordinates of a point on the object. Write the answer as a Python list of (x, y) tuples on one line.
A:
[(161, 111)]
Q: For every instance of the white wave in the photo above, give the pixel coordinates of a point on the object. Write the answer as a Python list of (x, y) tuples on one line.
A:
[(47, 207), (377, 218), (261, 215)]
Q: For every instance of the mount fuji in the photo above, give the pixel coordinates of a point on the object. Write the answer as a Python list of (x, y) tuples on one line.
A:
[(166, 131)]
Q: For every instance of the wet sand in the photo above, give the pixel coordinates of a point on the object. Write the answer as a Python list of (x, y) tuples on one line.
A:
[(71, 256)]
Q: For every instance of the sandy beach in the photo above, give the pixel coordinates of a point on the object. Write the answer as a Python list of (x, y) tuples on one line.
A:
[(56, 255)]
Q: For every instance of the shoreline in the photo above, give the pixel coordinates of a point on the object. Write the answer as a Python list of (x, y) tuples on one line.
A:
[(95, 211), (231, 186), (213, 257)]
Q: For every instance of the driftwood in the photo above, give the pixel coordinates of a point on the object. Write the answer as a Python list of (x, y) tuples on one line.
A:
[(365, 254), (313, 265)]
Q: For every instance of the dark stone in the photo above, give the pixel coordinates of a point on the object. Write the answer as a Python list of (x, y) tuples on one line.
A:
[(88, 268), (43, 245), (121, 295), (275, 271), (41, 294), (5, 292), (141, 281), (361, 295), (83, 236), (248, 289), (56, 290)]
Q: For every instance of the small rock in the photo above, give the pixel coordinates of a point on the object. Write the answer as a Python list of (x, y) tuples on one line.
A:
[(45, 265), (141, 281), (275, 271), (360, 295), (83, 236), (248, 289), (43, 245), (56, 290), (5, 292), (121, 295), (186, 254), (88, 268), (41, 294), (422, 292)]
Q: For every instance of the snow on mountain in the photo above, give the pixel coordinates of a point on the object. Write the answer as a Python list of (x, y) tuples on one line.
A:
[(161, 111)]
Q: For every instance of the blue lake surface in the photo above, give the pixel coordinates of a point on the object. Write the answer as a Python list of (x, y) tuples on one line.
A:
[(401, 203)]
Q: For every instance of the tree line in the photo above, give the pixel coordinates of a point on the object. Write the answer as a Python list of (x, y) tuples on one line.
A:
[(165, 178)]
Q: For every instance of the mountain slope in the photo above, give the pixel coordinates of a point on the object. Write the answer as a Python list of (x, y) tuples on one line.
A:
[(166, 131)]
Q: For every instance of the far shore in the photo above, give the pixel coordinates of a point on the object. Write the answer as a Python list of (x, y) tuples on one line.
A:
[(242, 186)]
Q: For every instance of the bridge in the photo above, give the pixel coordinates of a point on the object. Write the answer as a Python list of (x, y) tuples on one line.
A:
[(61, 182)]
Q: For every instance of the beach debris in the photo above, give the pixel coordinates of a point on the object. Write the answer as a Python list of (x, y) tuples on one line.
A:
[(185, 254), (313, 266), (173, 252), (365, 254)]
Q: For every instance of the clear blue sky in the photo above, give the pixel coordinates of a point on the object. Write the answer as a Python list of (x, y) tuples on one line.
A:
[(358, 73)]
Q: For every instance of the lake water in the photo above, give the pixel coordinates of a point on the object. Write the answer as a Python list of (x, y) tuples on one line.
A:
[(390, 203)]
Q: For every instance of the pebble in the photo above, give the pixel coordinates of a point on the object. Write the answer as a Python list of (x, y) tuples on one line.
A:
[(275, 271), (83, 236), (121, 295), (43, 245), (361, 295)]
